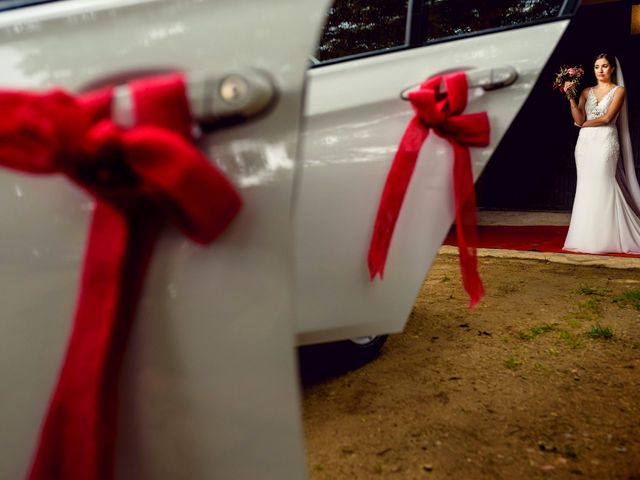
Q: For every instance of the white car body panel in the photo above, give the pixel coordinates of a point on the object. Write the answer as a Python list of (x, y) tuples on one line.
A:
[(210, 389), (209, 385), (354, 122)]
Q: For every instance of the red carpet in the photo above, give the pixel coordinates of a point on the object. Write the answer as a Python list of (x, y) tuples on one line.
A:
[(537, 238)]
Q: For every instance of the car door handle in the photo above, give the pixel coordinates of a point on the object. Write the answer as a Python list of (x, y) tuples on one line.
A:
[(228, 98), (486, 78)]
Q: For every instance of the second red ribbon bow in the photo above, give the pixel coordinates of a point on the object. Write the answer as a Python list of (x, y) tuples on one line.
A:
[(443, 113)]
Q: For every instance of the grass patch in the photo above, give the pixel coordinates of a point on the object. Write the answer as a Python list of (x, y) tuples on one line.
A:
[(591, 306), (574, 322), (584, 290), (512, 363), (542, 368), (536, 331), (571, 340), (629, 298), (590, 309), (600, 332)]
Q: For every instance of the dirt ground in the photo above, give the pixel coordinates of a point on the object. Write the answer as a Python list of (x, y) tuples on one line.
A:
[(542, 380)]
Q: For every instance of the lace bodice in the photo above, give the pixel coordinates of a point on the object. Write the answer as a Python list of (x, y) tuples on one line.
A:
[(595, 109)]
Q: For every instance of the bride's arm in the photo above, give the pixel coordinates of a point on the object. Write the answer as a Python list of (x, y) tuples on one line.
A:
[(612, 111), (577, 109)]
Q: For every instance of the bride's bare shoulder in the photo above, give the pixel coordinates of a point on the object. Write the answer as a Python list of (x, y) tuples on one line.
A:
[(619, 90)]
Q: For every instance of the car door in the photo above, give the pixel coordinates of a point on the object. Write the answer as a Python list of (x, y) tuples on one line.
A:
[(370, 52), (209, 387)]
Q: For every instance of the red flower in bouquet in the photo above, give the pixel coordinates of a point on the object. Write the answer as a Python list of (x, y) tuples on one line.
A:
[(568, 74)]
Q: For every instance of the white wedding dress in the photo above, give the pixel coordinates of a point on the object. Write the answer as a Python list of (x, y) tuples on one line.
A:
[(605, 216)]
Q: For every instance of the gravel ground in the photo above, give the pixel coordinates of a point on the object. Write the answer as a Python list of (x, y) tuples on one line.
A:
[(540, 381)]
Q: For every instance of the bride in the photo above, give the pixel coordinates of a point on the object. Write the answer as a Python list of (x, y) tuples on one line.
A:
[(606, 213)]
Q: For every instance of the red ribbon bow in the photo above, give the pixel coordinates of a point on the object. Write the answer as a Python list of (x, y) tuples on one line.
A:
[(139, 177), (441, 112)]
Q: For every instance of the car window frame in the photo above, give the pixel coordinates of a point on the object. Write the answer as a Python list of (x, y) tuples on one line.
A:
[(17, 4), (415, 32)]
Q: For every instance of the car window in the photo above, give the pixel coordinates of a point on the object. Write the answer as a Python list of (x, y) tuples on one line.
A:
[(451, 18), (361, 26)]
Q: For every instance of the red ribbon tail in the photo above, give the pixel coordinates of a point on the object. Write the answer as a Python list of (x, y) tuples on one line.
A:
[(376, 265), (466, 224), (395, 189), (77, 441)]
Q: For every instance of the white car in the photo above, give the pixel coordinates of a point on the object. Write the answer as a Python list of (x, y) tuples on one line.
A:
[(209, 386), (369, 53)]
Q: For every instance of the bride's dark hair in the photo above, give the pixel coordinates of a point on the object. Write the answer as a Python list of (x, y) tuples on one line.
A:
[(612, 61)]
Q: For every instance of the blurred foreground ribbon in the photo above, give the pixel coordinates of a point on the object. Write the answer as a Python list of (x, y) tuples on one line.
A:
[(140, 178), (441, 112)]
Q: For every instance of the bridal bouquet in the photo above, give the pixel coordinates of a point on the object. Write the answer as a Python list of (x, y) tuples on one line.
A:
[(568, 74)]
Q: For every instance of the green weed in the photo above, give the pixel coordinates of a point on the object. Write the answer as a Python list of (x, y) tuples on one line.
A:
[(542, 368), (628, 298), (600, 332), (536, 331), (590, 309), (584, 290), (571, 340), (573, 322), (512, 363)]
